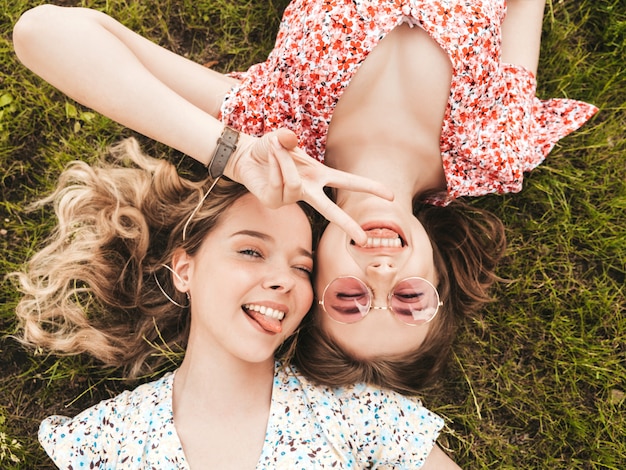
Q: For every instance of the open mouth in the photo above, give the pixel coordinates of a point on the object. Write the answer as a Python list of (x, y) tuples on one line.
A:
[(382, 237), (268, 318)]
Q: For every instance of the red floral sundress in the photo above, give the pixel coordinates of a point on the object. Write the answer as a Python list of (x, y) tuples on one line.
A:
[(494, 128)]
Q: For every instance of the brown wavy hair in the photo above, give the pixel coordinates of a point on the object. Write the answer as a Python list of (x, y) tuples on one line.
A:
[(92, 288), (467, 243)]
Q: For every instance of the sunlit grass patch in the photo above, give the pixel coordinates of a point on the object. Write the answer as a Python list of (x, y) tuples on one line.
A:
[(539, 381)]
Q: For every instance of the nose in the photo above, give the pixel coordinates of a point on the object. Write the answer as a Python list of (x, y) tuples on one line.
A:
[(381, 269), (380, 276), (279, 279)]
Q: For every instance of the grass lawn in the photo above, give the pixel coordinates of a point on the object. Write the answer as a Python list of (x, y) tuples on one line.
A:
[(539, 381)]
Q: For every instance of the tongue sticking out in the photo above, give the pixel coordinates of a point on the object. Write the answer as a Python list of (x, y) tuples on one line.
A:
[(270, 324)]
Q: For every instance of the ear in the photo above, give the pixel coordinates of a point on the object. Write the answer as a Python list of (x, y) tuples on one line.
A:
[(181, 269)]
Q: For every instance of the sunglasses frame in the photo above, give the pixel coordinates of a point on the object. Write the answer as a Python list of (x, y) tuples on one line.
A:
[(389, 297)]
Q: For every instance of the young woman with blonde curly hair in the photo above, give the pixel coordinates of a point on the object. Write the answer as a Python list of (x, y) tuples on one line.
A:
[(141, 256)]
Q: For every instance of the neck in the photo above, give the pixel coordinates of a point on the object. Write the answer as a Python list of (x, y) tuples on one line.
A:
[(206, 378), (221, 407), (399, 167)]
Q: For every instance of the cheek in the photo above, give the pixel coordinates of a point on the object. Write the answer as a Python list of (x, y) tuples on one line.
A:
[(324, 322), (332, 260), (304, 297)]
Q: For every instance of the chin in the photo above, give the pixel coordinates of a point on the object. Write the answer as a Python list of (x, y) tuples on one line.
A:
[(260, 354)]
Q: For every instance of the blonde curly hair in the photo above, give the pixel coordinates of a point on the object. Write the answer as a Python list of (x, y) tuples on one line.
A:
[(95, 286)]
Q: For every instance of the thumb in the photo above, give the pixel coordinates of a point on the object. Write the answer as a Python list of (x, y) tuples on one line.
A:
[(287, 138)]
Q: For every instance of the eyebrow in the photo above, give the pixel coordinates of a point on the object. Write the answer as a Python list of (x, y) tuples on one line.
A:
[(266, 237)]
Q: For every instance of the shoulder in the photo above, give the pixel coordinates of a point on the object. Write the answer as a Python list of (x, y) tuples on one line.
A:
[(369, 405), (358, 400), (379, 427), (97, 435), (393, 429)]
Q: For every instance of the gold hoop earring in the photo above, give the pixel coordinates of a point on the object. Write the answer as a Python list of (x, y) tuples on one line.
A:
[(198, 207), (156, 279)]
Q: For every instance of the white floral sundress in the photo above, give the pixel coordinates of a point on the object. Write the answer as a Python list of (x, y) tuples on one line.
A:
[(309, 427)]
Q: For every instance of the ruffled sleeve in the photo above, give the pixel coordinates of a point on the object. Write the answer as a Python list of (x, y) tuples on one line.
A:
[(554, 119), (132, 430), (490, 141), (86, 441)]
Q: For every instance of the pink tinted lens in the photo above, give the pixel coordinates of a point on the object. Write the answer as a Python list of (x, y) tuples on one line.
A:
[(347, 300), (414, 301)]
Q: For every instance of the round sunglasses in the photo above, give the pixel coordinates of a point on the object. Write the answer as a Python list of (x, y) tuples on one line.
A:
[(414, 300)]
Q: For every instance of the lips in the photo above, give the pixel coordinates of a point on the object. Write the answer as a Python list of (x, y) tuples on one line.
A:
[(382, 237), (268, 318)]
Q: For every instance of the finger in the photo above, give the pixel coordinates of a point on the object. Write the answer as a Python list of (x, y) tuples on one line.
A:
[(291, 180), (274, 173), (342, 180), (337, 216), (287, 138), (273, 198)]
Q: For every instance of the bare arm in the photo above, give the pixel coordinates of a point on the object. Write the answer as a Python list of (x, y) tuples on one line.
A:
[(438, 460), (100, 63), (521, 33), (103, 65)]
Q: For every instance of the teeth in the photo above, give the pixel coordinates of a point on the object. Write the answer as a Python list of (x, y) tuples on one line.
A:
[(267, 311), (375, 242)]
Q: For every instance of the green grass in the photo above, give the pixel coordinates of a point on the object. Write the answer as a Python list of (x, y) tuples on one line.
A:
[(538, 382)]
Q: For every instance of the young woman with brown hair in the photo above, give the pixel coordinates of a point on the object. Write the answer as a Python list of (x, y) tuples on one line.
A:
[(433, 100)]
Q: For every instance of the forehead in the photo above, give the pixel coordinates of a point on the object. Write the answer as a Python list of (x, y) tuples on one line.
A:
[(288, 222), (378, 335)]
